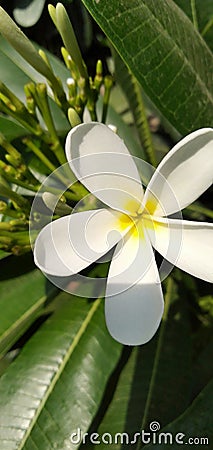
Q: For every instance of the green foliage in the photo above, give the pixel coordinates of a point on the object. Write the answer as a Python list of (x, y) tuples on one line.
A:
[(160, 46), (49, 393), (59, 369)]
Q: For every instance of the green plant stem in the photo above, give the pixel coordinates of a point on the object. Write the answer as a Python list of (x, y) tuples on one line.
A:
[(201, 209), (72, 196), (27, 141), (23, 184), (7, 211), (34, 128), (39, 93), (142, 125), (168, 296), (108, 83), (194, 14), (207, 27), (20, 201)]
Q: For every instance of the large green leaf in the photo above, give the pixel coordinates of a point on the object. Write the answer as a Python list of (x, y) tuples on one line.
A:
[(22, 300), (169, 58), (58, 380)]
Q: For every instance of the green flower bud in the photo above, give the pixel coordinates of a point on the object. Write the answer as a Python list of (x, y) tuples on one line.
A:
[(73, 117), (66, 31)]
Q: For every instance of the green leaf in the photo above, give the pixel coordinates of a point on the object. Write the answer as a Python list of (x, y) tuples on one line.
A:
[(151, 371), (196, 421), (3, 254), (169, 58), (28, 12), (22, 300), (57, 382), (11, 129), (204, 15)]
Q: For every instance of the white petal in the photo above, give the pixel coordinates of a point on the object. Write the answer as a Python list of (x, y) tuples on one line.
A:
[(71, 243), (183, 175), (134, 299), (101, 161), (186, 244)]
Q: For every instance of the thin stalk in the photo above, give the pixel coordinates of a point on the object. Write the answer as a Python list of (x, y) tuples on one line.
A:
[(201, 209), (20, 201), (21, 183), (194, 14), (40, 95), (39, 154), (108, 83), (207, 27), (142, 125)]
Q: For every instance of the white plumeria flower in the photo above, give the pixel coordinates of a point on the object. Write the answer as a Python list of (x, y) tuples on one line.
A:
[(134, 222)]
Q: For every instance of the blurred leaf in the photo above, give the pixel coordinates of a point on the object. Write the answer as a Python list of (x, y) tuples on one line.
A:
[(204, 13), (3, 254), (11, 129), (22, 300), (172, 62), (196, 421), (206, 304), (203, 368), (151, 371), (57, 382), (28, 12)]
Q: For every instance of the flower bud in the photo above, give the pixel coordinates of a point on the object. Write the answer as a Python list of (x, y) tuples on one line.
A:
[(73, 117)]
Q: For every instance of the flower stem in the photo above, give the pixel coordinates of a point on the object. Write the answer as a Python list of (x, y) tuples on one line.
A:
[(194, 14), (20, 201), (108, 83), (142, 125), (30, 144), (207, 27), (201, 209)]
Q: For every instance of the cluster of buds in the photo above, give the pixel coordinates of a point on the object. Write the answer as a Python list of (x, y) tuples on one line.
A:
[(18, 179)]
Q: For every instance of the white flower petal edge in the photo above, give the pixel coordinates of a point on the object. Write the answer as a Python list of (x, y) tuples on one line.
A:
[(186, 244), (183, 174), (71, 243), (101, 161), (134, 300)]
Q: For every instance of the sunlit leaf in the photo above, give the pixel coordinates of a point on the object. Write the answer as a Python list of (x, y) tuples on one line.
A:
[(58, 380), (159, 44)]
